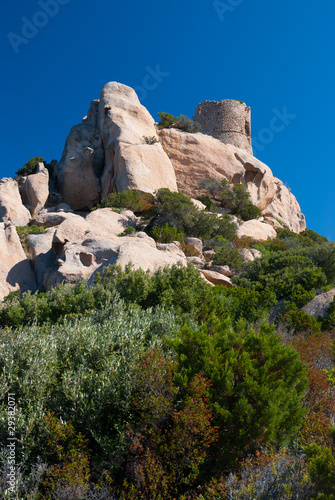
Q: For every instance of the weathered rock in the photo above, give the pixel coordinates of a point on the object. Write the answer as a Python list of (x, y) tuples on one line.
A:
[(85, 245), (285, 208), (197, 156), (15, 269), (130, 163), (246, 255), (198, 204), (216, 278), (256, 253), (225, 270), (257, 230), (34, 190), (196, 243), (172, 248), (77, 174), (197, 261), (318, 306), (51, 219), (41, 254), (209, 254), (82, 261), (11, 206)]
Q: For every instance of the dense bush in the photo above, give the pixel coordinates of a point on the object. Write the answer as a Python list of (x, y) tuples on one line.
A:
[(182, 122), (132, 200), (226, 254), (256, 385), (166, 234), (31, 166), (178, 211), (288, 274), (232, 197)]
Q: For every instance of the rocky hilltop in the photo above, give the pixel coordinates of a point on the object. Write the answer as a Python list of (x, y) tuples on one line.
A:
[(117, 147)]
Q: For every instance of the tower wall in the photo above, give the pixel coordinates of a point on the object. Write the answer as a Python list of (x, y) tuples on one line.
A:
[(227, 120)]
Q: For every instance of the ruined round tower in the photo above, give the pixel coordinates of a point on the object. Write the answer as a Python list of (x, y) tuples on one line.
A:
[(227, 120)]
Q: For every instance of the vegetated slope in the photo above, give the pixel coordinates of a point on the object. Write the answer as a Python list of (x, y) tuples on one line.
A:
[(170, 384)]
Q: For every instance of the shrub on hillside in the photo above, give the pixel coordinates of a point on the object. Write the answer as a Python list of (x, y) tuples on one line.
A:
[(131, 200), (31, 166), (182, 122), (177, 210), (232, 197), (226, 254), (256, 385), (166, 234)]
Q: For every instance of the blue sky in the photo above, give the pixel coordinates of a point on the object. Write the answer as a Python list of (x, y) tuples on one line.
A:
[(278, 57)]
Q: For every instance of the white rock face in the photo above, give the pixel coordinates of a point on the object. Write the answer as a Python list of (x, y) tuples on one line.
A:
[(216, 278), (318, 306), (34, 190), (257, 230), (11, 206), (198, 156), (15, 269), (130, 163), (285, 208), (86, 245)]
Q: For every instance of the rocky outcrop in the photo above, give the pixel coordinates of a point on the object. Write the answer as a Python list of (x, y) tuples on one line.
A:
[(286, 209), (34, 190), (319, 305), (108, 152), (131, 163), (77, 174), (86, 245), (216, 278), (256, 230), (15, 269), (198, 156), (41, 254), (11, 206)]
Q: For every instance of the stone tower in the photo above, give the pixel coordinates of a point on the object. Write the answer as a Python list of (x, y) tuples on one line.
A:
[(227, 120)]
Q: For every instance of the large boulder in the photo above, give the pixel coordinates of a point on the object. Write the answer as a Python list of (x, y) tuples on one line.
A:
[(86, 245), (34, 189), (286, 209), (41, 254), (198, 156), (319, 305), (257, 230), (77, 174), (131, 163), (15, 269), (11, 206)]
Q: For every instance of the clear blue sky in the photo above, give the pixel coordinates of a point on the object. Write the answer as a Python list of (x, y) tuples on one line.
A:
[(272, 55)]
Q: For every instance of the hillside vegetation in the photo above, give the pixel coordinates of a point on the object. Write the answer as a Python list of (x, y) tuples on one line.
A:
[(164, 387)]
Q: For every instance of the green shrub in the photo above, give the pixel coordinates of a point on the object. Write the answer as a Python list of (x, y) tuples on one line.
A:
[(226, 255), (290, 275), (232, 197), (166, 120), (167, 234), (150, 140), (300, 321), (256, 385), (183, 123), (31, 166), (131, 200)]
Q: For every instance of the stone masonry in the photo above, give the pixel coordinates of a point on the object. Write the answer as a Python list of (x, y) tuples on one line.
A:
[(227, 120)]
